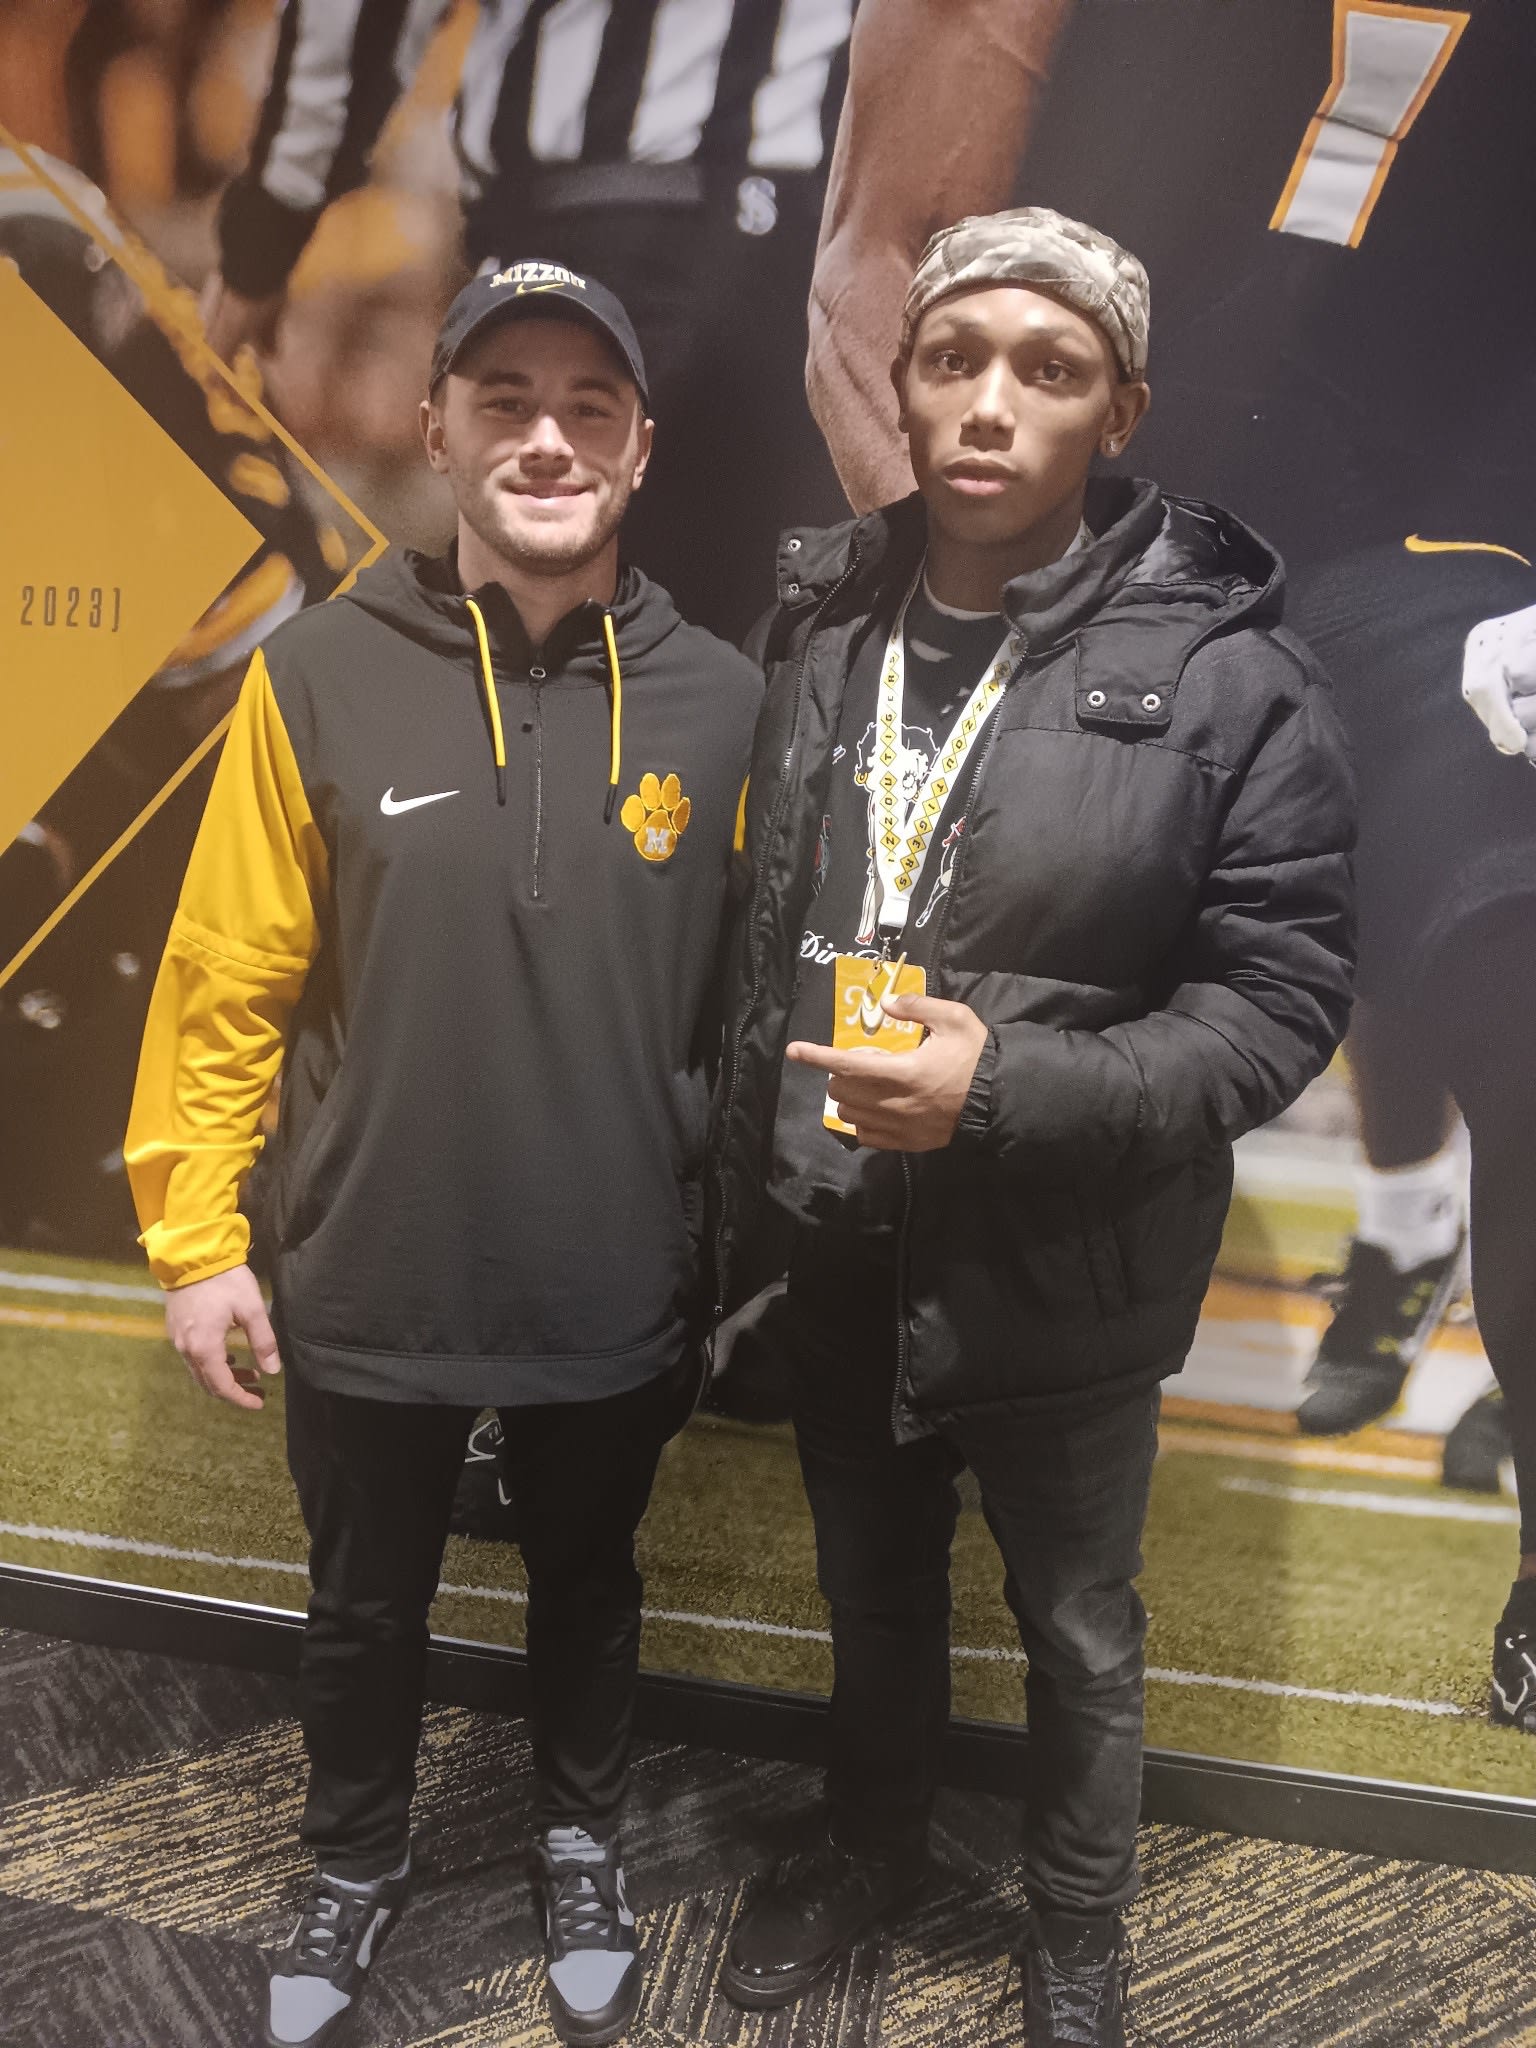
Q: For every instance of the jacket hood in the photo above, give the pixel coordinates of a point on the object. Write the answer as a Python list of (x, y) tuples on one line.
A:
[(421, 596), (1149, 549)]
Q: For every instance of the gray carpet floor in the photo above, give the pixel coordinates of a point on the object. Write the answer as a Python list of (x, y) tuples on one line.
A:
[(148, 1810)]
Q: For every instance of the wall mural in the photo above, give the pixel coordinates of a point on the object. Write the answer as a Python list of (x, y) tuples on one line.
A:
[(1334, 1523)]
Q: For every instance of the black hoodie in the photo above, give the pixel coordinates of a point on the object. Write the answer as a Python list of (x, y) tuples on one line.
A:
[(474, 888)]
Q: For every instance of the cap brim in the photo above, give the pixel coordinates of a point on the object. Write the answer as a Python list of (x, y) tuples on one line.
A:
[(538, 307)]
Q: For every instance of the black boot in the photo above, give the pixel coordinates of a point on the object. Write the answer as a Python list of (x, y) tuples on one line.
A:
[(1076, 1970), (808, 1915)]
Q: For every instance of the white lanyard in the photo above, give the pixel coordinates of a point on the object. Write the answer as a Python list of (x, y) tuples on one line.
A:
[(902, 834)]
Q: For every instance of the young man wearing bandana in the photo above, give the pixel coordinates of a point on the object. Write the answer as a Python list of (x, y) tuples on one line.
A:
[(1049, 832)]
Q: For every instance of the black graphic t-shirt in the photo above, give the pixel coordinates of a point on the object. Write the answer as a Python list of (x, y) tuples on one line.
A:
[(816, 1175)]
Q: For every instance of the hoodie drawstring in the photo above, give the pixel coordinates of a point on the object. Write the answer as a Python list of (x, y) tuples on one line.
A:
[(615, 711), (498, 737), (615, 717)]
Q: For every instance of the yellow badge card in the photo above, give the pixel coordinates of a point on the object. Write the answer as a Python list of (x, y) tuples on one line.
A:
[(859, 1020)]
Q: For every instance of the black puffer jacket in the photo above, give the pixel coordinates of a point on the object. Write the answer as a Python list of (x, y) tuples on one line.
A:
[(1152, 915)]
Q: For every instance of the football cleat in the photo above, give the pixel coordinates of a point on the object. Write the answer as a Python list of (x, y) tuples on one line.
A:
[(1382, 1320), (1512, 1696), (1478, 1453)]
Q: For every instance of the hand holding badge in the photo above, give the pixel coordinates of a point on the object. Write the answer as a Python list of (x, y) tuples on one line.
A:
[(910, 1103), (860, 1018)]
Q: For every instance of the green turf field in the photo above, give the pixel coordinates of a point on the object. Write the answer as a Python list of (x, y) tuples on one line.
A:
[(1260, 1572)]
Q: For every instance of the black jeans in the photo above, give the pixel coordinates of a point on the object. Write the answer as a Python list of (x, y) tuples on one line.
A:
[(1065, 1496), (376, 1482)]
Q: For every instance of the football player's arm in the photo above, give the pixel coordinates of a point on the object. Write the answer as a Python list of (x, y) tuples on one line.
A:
[(240, 947), (934, 125), (1498, 680), (340, 66)]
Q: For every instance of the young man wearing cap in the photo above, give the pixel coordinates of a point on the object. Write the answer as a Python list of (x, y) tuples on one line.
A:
[(1049, 831), (461, 873)]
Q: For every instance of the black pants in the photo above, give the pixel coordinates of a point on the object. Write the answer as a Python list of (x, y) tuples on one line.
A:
[(1469, 1034), (1447, 904), (375, 1482), (1065, 1496)]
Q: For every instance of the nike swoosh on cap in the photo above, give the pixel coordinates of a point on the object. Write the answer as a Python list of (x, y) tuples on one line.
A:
[(392, 806)]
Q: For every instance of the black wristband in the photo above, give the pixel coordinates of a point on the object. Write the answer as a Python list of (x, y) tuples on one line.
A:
[(260, 239)]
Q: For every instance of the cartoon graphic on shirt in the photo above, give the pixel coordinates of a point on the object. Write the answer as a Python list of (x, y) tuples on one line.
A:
[(823, 859), (918, 748), (946, 875)]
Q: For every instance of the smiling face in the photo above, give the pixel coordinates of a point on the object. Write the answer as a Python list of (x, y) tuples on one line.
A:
[(1006, 398), (540, 432)]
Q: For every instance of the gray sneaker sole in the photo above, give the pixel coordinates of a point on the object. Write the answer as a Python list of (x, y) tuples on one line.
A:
[(609, 2023)]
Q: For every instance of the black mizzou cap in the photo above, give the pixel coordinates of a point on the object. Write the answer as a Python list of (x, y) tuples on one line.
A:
[(535, 288)]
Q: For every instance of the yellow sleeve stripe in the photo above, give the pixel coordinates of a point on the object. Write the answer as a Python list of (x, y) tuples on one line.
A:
[(245, 932), (738, 844)]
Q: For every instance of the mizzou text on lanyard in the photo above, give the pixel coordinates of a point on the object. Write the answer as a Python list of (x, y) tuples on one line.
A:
[(902, 839)]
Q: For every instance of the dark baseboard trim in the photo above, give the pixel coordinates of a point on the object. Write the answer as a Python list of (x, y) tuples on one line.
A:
[(1367, 1815)]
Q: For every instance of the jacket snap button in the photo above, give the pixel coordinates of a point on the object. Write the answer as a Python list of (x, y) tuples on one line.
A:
[(1151, 701), (793, 544), (793, 589), (538, 674), (1097, 699)]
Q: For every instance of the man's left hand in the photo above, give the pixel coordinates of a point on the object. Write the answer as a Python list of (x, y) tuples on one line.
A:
[(1498, 679), (906, 1101)]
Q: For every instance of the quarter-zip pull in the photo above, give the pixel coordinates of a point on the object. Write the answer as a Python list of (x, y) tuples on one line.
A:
[(536, 675)]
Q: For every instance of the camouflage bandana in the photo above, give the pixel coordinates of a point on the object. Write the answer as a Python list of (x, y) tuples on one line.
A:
[(1031, 245)]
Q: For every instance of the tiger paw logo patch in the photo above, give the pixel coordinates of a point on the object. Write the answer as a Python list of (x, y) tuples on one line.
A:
[(658, 817)]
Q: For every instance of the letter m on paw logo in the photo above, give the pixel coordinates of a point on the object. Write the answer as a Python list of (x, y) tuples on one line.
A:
[(657, 816)]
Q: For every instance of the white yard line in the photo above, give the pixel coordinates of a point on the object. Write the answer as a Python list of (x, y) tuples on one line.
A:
[(86, 1539), (1273, 1690), (1212, 1442), (1377, 1503), (61, 1283), (82, 1539)]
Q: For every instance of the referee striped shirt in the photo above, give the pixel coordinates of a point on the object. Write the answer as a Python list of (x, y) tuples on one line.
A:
[(738, 85)]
